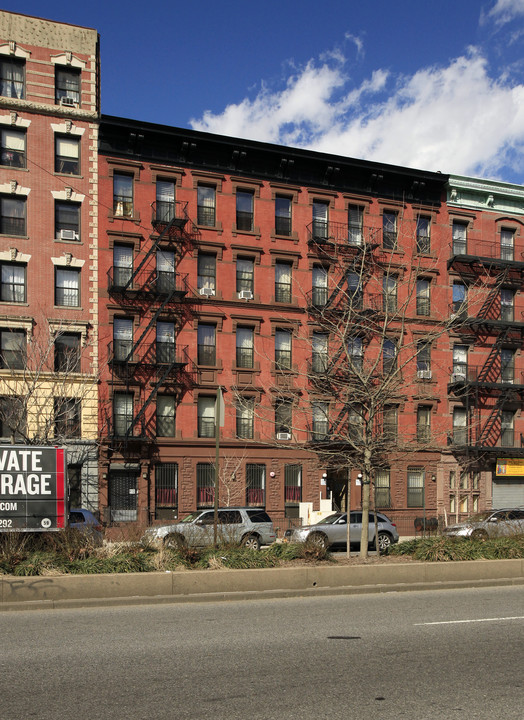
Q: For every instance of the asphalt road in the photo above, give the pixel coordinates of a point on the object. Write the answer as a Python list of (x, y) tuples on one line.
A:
[(425, 655)]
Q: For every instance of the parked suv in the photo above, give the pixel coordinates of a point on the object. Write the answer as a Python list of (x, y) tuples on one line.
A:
[(491, 523), (332, 531), (251, 527)]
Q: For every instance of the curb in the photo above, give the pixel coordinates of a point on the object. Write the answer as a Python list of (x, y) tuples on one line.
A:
[(77, 591)]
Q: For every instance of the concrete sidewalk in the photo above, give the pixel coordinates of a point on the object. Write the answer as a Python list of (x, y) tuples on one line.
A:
[(74, 591)]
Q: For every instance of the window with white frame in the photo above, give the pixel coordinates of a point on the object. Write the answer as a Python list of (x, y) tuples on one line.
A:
[(245, 347), (13, 283), (283, 276), (67, 287), (13, 150)]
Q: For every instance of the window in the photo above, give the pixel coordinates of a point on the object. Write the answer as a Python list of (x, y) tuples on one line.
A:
[(67, 221), (13, 418), (320, 286), (165, 342), (255, 484), (460, 240), (166, 484), (206, 417), (424, 423), (507, 434), (12, 215), (415, 487), (390, 423), (507, 365), (165, 416), (67, 155), (506, 304), (355, 222), (355, 350), (123, 496), (122, 413), (382, 488), (283, 349), (319, 357), (355, 295), (460, 301), (244, 210), (206, 205), (423, 238), (165, 272), (122, 339), (282, 215), (205, 474), (423, 297), (67, 352), (12, 83), (67, 86), (423, 360), (13, 148), (207, 268), (245, 347), (460, 430), (206, 353), (389, 230), (507, 238), (460, 363), (320, 429), (245, 277), (292, 483), (389, 356), (67, 287), (67, 413), (245, 416), (390, 289), (320, 220), (13, 283), (283, 277), (122, 265), (283, 419), (122, 195), (13, 349), (165, 201)]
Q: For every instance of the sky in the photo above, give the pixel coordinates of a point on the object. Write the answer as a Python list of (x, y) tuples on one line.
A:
[(433, 86)]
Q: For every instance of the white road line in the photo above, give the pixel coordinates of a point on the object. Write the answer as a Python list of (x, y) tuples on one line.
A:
[(457, 622)]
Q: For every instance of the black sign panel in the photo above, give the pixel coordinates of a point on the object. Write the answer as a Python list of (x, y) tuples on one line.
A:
[(33, 488)]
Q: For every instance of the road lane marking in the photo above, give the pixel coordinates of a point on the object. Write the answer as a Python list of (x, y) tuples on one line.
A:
[(457, 622)]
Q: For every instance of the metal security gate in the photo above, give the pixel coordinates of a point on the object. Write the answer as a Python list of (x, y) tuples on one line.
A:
[(123, 494), (508, 492)]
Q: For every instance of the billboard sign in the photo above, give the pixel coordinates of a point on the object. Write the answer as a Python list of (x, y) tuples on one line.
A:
[(33, 488)]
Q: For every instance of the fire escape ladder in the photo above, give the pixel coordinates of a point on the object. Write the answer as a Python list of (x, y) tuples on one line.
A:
[(494, 356)]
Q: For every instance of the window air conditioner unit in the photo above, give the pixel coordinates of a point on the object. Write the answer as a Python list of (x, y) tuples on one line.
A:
[(245, 295), (424, 374), (207, 291), (68, 235), (283, 436), (68, 101)]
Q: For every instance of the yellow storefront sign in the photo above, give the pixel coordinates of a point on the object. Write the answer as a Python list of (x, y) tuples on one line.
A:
[(510, 466)]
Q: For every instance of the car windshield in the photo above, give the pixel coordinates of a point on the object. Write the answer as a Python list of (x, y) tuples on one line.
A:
[(191, 517), (330, 520), (479, 517)]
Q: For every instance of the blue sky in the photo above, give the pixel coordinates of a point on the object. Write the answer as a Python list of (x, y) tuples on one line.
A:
[(436, 86)]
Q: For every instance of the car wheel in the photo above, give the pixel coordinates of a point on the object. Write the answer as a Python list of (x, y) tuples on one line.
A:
[(318, 539), (252, 542), (384, 541), (479, 535), (175, 542)]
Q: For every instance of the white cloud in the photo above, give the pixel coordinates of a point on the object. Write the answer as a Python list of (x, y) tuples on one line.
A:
[(505, 11), (453, 118)]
